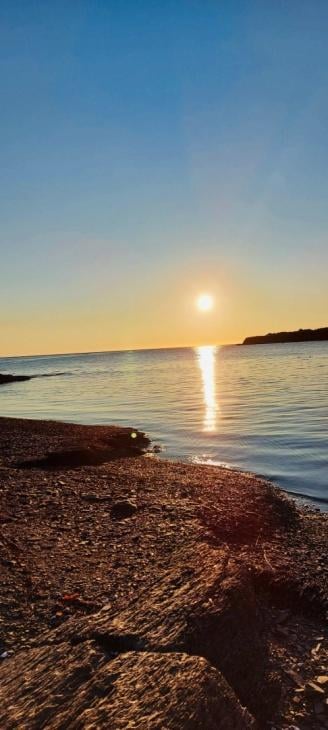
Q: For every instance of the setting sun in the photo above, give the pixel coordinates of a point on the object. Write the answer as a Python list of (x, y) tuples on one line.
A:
[(205, 302)]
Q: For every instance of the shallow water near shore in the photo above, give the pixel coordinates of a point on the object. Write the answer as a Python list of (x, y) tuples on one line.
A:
[(259, 408)]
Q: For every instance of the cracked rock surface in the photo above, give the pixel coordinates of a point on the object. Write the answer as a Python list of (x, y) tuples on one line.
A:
[(85, 686)]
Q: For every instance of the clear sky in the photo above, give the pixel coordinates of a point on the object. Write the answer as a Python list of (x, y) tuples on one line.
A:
[(152, 150)]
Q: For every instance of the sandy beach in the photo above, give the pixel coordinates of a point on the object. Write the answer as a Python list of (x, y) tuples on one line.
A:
[(138, 592)]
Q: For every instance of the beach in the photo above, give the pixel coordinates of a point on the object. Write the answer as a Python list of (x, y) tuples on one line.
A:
[(148, 593)]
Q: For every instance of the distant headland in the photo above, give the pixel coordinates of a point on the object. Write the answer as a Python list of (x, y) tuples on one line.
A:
[(296, 336)]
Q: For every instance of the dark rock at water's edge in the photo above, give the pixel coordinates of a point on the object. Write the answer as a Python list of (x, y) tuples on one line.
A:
[(8, 378), (317, 335), (5, 378)]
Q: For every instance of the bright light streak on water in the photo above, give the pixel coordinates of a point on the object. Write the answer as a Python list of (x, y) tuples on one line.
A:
[(206, 361)]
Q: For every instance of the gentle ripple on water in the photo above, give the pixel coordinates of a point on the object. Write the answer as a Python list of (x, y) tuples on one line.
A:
[(260, 408)]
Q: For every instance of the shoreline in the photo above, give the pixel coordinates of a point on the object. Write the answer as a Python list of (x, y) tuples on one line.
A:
[(303, 501), (154, 565)]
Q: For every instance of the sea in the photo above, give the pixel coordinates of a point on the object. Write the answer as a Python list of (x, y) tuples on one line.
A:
[(257, 408)]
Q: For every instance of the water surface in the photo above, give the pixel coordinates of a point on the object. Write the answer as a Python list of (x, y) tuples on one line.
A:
[(259, 408)]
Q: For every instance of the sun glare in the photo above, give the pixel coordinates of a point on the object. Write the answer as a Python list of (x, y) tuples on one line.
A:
[(205, 302), (206, 360)]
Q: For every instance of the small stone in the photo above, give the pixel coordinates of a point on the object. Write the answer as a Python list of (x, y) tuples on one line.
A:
[(322, 679), (295, 677), (123, 509), (314, 688), (90, 497), (316, 648)]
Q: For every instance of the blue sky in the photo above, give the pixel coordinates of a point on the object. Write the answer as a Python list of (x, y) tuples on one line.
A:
[(152, 150)]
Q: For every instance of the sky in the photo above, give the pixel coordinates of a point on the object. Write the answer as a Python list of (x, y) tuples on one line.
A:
[(154, 150)]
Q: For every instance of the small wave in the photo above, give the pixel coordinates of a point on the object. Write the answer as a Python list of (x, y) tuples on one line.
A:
[(49, 375), (304, 495), (207, 461)]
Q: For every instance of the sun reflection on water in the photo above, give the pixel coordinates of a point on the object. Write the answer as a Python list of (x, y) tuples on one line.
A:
[(206, 362)]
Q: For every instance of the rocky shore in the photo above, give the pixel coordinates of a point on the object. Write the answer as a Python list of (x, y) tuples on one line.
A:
[(141, 593)]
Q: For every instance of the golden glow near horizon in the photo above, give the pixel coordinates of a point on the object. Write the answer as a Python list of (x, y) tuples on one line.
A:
[(107, 318), (205, 302), (206, 362)]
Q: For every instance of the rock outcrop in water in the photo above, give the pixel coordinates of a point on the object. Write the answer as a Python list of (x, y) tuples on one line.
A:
[(296, 336), (6, 378), (143, 593)]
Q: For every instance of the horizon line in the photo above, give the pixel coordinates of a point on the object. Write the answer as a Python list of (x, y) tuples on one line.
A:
[(128, 349)]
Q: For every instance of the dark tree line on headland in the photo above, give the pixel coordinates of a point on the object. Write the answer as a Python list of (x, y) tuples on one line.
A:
[(296, 336)]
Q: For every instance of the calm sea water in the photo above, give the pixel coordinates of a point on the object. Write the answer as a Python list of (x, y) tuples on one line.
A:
[(259, 408)]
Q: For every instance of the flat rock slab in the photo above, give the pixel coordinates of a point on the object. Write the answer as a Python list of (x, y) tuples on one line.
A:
[(86, 687), (202, 605)]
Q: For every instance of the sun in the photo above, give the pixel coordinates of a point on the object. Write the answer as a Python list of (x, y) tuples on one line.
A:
[(205, 302)]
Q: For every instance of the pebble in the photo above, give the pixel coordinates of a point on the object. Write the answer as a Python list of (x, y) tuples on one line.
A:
[(123, 509), (314, 688), (322, 679)]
